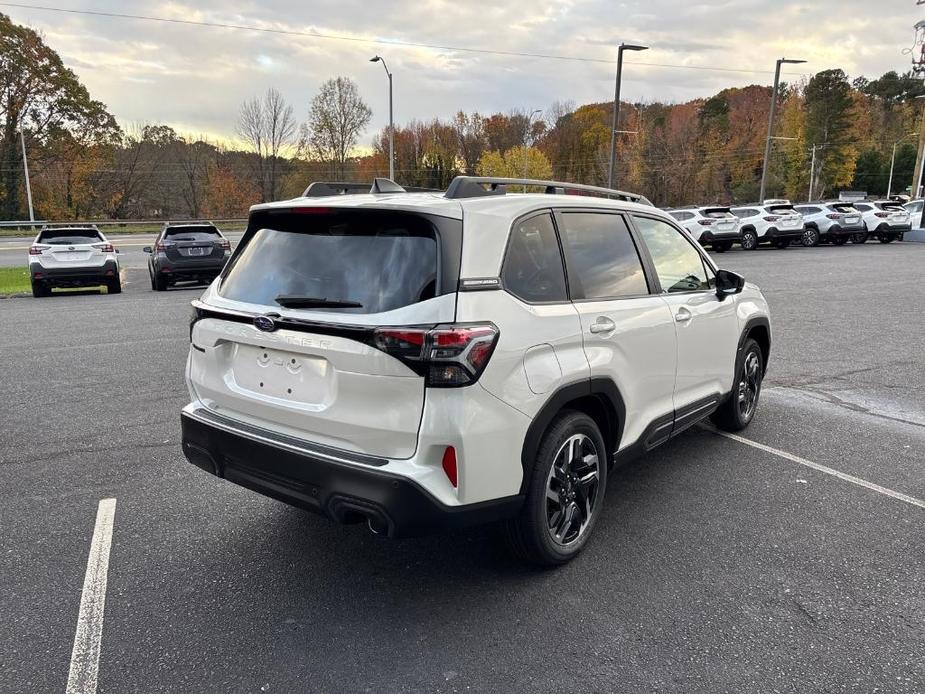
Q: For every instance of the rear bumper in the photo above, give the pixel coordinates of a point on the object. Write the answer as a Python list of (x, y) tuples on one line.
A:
[(74, 276), (344, 491), (893, 228), (837, 230)]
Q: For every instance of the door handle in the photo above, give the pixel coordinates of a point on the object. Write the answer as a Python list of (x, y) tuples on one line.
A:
[(683, 315), (602, 325)]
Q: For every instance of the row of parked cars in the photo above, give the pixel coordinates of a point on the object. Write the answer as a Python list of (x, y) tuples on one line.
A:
[(781, 223), (81, 256)]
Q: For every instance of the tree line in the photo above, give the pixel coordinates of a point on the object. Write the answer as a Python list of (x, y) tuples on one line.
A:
[(85, 165)]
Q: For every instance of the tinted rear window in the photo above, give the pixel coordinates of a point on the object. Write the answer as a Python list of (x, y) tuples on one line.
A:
[(780, 209), (382, 260), (191, 234), (69, 237)]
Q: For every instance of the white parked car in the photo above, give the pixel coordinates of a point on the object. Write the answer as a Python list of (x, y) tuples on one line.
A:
[(75, 256), (714, 226), (776, 223), (914, 208), (886, 220), (420, 361), (833, 222)]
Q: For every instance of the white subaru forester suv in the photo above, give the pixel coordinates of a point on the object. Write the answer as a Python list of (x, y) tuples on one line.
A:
[(423, 361)]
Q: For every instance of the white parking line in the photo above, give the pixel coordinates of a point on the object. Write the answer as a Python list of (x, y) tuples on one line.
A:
[(822, 468), (85, 658)]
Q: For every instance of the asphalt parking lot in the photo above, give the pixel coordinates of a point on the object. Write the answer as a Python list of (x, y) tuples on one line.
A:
[(718, 566)]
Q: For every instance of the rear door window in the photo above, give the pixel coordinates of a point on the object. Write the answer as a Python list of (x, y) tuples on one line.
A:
[(69, 237), (679, 266), (354, 261), (533, 268), (603, 260)]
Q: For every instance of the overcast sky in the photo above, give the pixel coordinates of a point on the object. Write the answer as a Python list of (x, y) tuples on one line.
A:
[(194, 78)]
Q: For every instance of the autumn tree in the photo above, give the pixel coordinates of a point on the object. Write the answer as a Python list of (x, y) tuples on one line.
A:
[(267, 125), (227, 194), (40, 97), (517, 162), (336, 118), (829, 106)]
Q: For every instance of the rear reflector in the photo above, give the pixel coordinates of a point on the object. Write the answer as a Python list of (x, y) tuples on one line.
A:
[(449, 465)]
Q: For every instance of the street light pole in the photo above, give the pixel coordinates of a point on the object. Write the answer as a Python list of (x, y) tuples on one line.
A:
[(767, 147), (526, 134), (616, 108), (378, 59), (25, 165)]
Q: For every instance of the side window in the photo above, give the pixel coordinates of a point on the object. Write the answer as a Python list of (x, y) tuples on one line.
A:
[(602, 256), (533, 264), (679, 266)]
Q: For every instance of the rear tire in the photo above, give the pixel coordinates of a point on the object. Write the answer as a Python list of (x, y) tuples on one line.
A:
[(722, 246), (886, 238), (839, 240), (739, 408), (114, 286), (749, 241), (782, 243), (565, 493), (160, 284), (860, 237), (40, 290)]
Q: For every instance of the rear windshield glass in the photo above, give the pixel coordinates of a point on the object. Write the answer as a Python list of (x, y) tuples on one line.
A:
[(891, 206), (846, 209), (380, 260), (717, 213), (69, 237), (780, 208), (191, 234)]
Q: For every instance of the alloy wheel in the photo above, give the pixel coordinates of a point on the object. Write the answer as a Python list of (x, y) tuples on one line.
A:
[(749, 385), (572, 489)]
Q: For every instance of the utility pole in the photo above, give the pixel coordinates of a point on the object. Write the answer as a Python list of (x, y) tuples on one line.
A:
[(616, 108), (767, 147), (25, 166), (812, 173)]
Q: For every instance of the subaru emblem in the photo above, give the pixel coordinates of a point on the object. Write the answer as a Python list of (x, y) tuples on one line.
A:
[(265, 324)]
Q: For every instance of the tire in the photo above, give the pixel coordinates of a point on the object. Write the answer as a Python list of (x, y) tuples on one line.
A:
[(860, 237), (114, 286), (160, 284), (532, 534), (811, 237), (782, 243), (153, 286), (739, 408), (722, 246), (840, 240), (749, 241), (886, 238), (40, 290)]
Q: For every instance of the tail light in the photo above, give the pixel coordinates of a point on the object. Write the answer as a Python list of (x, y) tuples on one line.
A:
[(449, 465), (103, 247), (771, 218), (160, 246), (447, 356), (835, 216), (881, 215), (226, 245), (38, 248), (706, 222)]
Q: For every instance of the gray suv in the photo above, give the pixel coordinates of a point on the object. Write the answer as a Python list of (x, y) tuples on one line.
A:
[(187, 251), (835, 222)]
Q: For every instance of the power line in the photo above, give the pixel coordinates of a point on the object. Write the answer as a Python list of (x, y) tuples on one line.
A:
[(379, 42)]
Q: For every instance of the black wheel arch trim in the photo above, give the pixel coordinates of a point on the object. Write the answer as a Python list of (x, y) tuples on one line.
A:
[(602, 388), (750, 325)]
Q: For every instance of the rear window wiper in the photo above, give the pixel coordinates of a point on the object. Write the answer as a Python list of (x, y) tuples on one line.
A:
[(294, 301)]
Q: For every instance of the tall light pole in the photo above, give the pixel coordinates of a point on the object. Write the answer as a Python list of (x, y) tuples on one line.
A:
[(25, 166), (526, 135), (380, 59), (616, 108), (889, 185), (767, 147)]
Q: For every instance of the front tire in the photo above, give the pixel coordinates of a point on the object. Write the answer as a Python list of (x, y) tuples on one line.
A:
[(749, 240), (565, 493), (739, 408)]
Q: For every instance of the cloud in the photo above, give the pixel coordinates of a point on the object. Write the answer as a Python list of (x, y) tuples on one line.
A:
[(198, 76)]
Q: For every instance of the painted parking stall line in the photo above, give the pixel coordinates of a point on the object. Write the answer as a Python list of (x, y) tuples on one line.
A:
[(85, 657), (899, 496)]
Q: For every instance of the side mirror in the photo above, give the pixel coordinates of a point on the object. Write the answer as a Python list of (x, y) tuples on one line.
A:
[(146, 249), (728, 283)]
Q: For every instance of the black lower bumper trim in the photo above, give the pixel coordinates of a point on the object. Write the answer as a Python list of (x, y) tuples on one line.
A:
[(393, 505)]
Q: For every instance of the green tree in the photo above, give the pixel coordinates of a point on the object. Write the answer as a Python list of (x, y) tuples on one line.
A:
[(516, 163), (40, 97), (829, 107)]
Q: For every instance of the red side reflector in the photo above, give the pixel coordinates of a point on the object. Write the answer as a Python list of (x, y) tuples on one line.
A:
[(449, 464)]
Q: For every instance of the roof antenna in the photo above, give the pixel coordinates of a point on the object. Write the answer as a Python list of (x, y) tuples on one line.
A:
[(385, 185)]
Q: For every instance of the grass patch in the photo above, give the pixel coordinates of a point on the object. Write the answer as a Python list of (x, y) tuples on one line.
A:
[(114, 229), (14, 280)]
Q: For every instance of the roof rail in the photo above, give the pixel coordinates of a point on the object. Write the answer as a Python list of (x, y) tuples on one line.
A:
[(380, 186), (478, 186)]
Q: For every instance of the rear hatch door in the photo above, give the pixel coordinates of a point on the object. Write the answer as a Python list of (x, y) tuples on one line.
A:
[(71, 248), (725, 223), (319, 283), (193, 246), (789, 218)]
